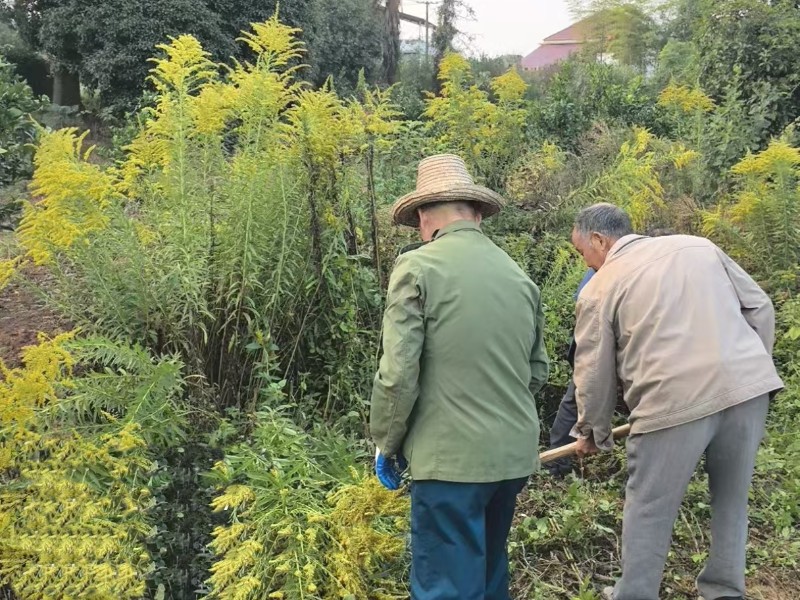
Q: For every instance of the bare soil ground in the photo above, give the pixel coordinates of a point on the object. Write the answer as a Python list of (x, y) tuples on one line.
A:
[(23, 314)]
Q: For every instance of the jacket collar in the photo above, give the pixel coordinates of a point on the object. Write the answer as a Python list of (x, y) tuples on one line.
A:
[(456, 226), (622, 243)]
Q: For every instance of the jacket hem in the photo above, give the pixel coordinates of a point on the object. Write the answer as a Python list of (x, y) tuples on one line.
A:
[(426, 475), (707, 407)]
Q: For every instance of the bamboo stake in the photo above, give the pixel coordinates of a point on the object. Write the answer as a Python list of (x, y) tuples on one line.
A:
[(569, 449)]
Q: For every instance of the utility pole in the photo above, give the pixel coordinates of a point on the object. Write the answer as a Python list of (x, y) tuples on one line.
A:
[(427, 23)]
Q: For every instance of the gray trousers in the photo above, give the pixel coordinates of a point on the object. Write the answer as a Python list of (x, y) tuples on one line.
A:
[(660, 465)]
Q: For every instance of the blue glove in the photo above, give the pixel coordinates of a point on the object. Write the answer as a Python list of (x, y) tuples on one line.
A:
[(390, 470)]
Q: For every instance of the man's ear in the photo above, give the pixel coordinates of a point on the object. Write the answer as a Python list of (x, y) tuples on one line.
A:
[(596, 240)]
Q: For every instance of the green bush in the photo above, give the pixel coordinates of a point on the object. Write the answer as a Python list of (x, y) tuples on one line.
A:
[(17, 129)]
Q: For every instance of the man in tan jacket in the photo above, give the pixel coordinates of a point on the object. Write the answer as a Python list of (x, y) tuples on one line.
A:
[(689, 334)]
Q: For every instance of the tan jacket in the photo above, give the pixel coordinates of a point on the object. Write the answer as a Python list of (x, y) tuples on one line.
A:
[(684, 328)]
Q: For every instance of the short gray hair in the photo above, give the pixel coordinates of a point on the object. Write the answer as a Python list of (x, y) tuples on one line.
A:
[(605, 219), (459, 206)]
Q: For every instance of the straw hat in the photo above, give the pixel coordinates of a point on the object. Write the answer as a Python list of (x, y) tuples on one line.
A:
[(444, 178)]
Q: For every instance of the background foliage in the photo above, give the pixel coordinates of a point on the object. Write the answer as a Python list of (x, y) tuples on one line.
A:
[(223, 255)]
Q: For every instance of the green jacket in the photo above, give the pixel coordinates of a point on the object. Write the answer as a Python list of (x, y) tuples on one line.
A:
[(463, 356)]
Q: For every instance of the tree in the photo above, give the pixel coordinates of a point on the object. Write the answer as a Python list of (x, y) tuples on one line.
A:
[(450, 12), (29, 16), (344, 37), (624, 29), (757, 41), (391, 40), (445, 32), (107, 43)]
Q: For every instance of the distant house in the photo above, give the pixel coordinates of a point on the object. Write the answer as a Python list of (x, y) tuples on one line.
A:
[(557, 47), (415, 48)]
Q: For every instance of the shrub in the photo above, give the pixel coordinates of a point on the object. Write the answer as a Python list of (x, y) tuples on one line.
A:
[(17, 129)]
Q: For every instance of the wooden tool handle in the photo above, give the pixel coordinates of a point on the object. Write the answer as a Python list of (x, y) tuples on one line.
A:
[(569, 449)]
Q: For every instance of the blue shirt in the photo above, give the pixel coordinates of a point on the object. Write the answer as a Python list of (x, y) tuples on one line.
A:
[(571, 351), (589, 274)]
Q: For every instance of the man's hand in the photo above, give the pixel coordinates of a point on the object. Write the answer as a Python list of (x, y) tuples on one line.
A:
[(390, 470), (586, 447)]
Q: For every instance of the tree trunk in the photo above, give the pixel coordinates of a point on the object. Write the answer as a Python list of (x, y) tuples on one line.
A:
[(66, 88), (373, 212), (443, 37), (391, 43)]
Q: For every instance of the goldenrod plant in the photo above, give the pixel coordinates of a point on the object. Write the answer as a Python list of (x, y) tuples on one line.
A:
[(761, 221), (301, 524), (80, 424), (229, 219), (686, 99), (464, 119), (77, 194), (633, 180)]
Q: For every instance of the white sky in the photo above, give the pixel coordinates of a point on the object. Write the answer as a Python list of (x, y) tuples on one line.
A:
[(501, 26)]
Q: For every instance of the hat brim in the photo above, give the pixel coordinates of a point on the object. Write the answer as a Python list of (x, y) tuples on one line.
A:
[(404, 211)]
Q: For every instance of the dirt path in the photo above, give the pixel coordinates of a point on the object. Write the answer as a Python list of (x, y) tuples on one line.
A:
[(23, 316)]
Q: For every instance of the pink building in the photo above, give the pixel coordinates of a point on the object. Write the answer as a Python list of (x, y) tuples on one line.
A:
[(556, 48)]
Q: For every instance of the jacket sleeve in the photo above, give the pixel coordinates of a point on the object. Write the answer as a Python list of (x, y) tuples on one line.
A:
[(396, 384), (540, 363), (595, 374), (756, 306)]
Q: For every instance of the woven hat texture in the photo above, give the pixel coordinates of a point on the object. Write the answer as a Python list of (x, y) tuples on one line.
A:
[(444, 178)]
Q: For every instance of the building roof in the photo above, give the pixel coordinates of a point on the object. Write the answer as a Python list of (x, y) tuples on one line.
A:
[(558, 46), (416, 20), (575, 34), (548, 54)]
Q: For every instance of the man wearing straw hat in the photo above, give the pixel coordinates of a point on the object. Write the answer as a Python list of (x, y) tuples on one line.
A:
[(463, 356)]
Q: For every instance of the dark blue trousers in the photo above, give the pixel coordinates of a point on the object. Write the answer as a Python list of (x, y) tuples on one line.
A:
[(459, 536), (565, 420)]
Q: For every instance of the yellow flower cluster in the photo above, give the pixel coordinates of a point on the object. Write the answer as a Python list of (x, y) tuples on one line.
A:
[(454, 69), (235, 497), (684, 157), (183, 68), (72, 523), (761, 222), (465, 120), (232, 576), (299, 545), (73, 196), (24, 389), (377, 116), (685, 99), (633, 182), (778, 156), (509, 87), (275, 43), (367, 524), (7, 270)]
